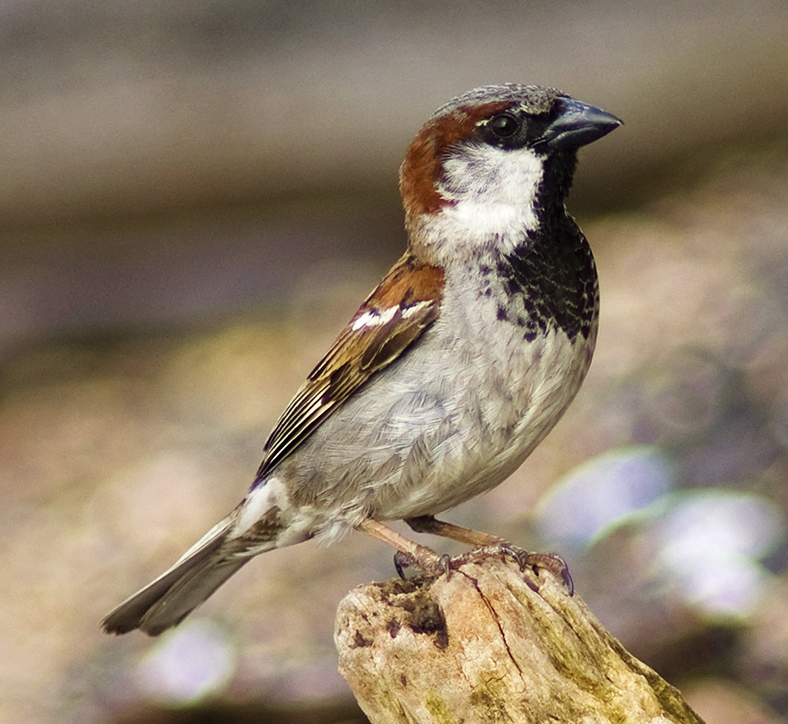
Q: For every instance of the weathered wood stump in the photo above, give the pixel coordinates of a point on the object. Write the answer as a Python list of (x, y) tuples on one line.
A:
[(483, 646)]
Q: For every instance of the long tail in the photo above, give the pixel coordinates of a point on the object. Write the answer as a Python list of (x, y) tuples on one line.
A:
[(177, 592)]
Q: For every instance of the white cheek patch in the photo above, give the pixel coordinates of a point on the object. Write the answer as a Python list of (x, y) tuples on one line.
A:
[(492, 175), (492, 192)]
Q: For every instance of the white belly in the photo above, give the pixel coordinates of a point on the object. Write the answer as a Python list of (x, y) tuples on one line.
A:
[(439, 426)]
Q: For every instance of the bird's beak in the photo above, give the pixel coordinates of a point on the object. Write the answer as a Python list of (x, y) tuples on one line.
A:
[(576, 124)]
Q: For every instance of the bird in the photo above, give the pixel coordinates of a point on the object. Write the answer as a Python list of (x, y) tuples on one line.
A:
[(452, 370)]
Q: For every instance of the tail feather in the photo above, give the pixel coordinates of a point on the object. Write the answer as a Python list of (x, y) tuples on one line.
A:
[(178, 591)]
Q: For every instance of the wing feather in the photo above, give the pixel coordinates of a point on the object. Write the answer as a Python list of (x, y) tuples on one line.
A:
[(391, 319)]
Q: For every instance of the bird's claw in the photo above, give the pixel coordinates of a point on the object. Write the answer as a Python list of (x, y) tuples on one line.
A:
[(444, 564), (551, 562), (439, 565)]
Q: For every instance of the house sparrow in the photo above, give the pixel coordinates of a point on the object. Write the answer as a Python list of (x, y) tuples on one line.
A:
[(450, 373)]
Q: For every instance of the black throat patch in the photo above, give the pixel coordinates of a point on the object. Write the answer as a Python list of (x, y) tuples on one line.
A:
[(551, 272), (553, 276)]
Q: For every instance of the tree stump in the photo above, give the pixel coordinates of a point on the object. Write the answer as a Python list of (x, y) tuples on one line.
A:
[(482, 645)]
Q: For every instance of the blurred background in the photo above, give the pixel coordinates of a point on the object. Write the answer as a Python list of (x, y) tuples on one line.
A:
[(194, 198)]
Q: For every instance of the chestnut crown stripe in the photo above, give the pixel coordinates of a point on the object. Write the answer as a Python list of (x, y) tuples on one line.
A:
[(390, 320), (423, 164)]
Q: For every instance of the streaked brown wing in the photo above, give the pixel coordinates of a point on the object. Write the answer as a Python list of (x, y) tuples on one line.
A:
[(391, 319)]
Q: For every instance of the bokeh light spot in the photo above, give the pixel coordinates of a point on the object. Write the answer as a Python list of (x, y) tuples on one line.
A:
[(603, 493), (188, 663)]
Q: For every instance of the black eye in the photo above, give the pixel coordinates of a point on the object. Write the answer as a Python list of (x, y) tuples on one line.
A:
[(504, 126)]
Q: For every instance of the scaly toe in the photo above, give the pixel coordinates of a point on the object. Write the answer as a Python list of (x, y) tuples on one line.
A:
[(555, 564), (428, 563), (431, 564), (551, 562)]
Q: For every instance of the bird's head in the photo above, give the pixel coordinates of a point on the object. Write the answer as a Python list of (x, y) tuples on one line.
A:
[(490, 161)]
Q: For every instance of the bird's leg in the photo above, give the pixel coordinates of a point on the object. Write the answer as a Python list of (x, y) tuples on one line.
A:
[(486, 544), (476, 538), (408, 552)]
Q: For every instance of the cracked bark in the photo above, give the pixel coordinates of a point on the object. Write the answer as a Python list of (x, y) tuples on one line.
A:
[(484, 646)]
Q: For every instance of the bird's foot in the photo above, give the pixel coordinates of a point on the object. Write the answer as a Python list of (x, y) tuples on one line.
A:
[(551, 562), (437, 565), (431, 565)]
